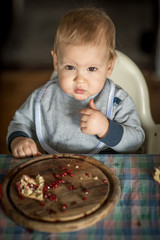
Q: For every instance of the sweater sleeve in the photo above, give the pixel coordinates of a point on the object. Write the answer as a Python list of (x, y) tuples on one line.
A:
[(23, 121), (125, 132)]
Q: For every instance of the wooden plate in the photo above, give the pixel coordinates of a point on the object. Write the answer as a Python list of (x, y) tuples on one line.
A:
[(88, 192)]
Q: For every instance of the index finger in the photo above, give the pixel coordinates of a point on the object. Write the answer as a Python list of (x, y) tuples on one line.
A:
[(86, 111)]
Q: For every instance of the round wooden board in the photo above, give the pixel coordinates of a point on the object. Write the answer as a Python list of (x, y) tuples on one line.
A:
[(95, 193)]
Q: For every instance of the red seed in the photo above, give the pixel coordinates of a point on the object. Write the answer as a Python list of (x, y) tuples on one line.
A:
[(71, 174), (56, 185), (55, 157), (55, 198), (42, 204), (84, 198), (57, 175), (72, 187), (87, 174), (51, 198), (86, 191), (21, 197), (63, 168), (48, 195), (105, 181), (59, 180), (62, 175), (65, 173), (69, 171), (45, 196), (62, 181), (64, 206), (45, 189)]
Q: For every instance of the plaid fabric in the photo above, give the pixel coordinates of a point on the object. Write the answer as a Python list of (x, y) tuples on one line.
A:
[(136, 216)]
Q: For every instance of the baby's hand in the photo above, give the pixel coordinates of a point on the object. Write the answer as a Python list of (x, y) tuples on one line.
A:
[(24, 147), (93, 122)]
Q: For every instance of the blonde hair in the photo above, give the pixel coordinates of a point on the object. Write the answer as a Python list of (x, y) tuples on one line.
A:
[(86, 26)]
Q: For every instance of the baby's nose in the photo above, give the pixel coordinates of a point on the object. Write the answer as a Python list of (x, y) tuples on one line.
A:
[(80, 78)]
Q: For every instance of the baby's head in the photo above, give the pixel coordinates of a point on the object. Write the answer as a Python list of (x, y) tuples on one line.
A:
[(84, 52), (86, 26)]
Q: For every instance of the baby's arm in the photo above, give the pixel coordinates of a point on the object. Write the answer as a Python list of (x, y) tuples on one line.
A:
[(122, 134), (22, 147), (93, 121), (21, 135)]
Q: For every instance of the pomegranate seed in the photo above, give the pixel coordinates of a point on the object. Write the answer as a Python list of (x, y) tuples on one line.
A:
[(71, 174), (72, 187), (62, 181), (42, 204), (55, 157), (45, 196), (69, 171), (87, 174), (59, 180), (51, 198), (86, 191), (55, 198), (84, 198), (46, 188), (21, 197), (48, 195), (63, 168), (64, 206), (105, 181), (65, 173), (62, 175), (56, 185), (57, 175)]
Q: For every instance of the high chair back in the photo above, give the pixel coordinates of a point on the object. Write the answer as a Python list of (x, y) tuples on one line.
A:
[(127, 75)]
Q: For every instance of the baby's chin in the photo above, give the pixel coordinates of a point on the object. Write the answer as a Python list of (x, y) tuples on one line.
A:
[(80, 97)]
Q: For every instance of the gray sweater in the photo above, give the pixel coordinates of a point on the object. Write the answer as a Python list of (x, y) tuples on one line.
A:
[(51, 116)]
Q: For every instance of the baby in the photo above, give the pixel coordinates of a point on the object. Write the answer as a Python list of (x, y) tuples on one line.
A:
[(80, 110)]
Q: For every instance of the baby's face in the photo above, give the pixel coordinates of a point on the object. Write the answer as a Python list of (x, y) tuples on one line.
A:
[(82, 69)]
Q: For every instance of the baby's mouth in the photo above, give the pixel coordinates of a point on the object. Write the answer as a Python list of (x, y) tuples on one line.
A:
[(79, 91)]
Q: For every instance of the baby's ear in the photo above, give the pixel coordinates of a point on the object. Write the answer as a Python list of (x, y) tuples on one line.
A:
[(54, 55), (111, 66)]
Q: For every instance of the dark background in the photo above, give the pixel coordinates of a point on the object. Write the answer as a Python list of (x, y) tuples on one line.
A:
[(28, 28)]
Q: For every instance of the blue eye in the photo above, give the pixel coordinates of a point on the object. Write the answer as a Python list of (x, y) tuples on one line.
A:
[(69, 67), (92, 69)]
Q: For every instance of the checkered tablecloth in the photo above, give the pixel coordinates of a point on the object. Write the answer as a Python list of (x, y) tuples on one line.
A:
[(136, 216)]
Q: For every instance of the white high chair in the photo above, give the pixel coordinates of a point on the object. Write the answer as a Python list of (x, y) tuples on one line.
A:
[(127, 75)]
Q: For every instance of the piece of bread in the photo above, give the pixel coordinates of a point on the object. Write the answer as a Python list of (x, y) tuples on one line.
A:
[(28, 187), (156, 174)]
